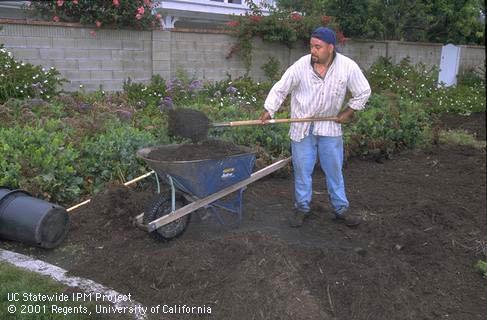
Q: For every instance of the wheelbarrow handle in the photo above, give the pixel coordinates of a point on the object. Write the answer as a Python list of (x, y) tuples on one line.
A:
[(271, 121)]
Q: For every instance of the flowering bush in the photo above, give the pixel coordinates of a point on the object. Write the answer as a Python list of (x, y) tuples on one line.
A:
[(282, 26), (23, 80), (115, 13), (420, 84)]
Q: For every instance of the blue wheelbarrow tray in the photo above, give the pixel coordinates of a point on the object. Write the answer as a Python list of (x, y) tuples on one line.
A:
[(203, 177)]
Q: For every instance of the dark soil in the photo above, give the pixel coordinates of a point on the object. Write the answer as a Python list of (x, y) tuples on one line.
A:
[(207, 149), (425, 227), (473, 124), (188, 123)]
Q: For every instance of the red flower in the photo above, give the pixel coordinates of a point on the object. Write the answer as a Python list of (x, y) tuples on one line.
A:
[(296, 16), (55, 19), (341, 37), (255, 19), (60, 3), (325, 20), (232, 23), (116, 3), (98, 23)]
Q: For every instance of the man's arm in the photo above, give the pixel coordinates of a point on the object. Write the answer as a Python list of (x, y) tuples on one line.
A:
[(279, 92), (360, 89)]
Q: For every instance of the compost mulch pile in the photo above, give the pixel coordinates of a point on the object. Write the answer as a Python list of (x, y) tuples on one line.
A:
[(425, 227), (207, 149)]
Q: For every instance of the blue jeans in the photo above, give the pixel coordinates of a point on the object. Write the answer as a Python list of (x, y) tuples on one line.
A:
[(304, 155)]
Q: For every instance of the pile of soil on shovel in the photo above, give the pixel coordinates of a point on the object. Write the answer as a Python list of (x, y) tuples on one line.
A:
[(207, 149), (188, 123)]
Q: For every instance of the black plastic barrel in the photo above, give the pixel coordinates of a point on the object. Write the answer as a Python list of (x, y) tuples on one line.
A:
[(31, 220)]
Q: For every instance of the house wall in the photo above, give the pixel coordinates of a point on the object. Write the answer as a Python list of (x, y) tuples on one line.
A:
[(108, 58)]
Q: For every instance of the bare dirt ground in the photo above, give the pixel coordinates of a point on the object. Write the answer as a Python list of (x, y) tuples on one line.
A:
[(425, 226)]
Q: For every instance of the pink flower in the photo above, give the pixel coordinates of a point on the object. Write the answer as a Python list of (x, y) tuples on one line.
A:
[(147, 3), (255, 19), (232, 23), (296, 16), (116, 3), (341, 37), (140, 10), (55, 19), (158, 16), (98, 23), (138, 16), (60, 3), (93, 33), (75, 1)]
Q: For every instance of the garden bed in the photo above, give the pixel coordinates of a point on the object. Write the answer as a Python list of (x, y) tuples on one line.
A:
[(413, 257)]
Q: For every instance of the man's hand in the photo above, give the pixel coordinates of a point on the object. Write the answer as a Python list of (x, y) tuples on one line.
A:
[(264, 117), (345, 116)]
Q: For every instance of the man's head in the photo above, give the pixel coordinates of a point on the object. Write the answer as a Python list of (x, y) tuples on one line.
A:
[(322, 43)]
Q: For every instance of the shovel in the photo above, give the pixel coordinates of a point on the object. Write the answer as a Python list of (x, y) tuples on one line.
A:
[(193, 124)]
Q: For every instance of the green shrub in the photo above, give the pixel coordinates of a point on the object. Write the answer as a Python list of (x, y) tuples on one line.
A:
[(24, 80), (272, 69), (460, 99), (141, 95), (40, 160), (387, 125), (110, 156), (481, 266), (420, 84)]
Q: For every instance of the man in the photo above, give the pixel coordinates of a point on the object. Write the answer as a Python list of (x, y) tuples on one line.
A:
[(318, 83)]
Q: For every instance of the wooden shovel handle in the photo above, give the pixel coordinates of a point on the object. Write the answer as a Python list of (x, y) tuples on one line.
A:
[(257, 122)]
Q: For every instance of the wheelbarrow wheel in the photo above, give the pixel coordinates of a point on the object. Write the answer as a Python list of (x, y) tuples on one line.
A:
[(161, 206)]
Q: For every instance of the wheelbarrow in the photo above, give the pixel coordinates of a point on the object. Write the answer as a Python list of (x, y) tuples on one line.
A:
[(197, 184)]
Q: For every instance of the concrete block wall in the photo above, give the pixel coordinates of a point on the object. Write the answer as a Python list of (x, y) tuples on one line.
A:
[(104, 59), (472, 58), (110, 57), (203, 56)]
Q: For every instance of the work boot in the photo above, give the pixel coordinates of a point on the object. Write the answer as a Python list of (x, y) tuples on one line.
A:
[(348, 218), (297, 218)]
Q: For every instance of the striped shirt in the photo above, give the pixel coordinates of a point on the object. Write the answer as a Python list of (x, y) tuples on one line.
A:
[(314, 96)]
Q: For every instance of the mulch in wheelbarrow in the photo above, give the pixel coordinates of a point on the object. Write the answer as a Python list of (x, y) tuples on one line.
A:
[(207, 149)]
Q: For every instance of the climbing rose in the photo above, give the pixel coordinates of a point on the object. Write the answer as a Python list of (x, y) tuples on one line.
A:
[(138, 16), (98, 23), (116, 3), (255, 19), (60, 3), (233, 23), (147, 3), (75, 1), (141, 10), (55, 19)]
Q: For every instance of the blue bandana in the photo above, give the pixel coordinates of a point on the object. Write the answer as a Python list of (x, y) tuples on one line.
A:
[(325, 34)]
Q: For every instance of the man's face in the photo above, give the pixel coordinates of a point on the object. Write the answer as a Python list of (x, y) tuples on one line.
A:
[(320, 50)]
